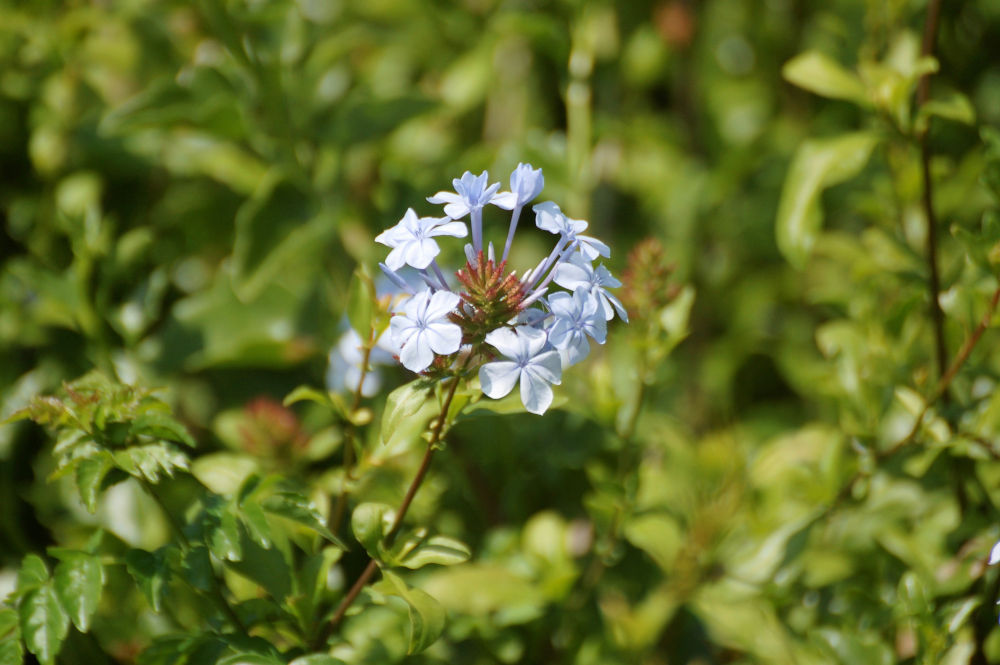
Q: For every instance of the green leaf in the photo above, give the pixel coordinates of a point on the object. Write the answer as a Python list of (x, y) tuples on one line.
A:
[(32, 574), (317, 659), (196, 567), (11, 652), (359, 119), (264, 566), (44, 623), (955, 106), (274, 229), (250, 659), (361, 301), (820, 74), (9, 621), (224, 534), (151, 461), (817, 164), (510, 404), (311, 577), (256, 523), (658, 535), (90, 474), (857, 648), (223, 472), (79, 580), (400, 407), (370, 522), (151, 571), (308, 394), (427, 616), (440, 550), (260, 611), (161, 425), (168, 650), (298, 508)]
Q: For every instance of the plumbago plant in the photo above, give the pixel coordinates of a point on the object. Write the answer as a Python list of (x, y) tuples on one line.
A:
[(251, 551)]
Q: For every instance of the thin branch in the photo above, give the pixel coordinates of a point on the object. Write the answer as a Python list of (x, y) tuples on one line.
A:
[(940, 390), (934, 281), (397, 523)]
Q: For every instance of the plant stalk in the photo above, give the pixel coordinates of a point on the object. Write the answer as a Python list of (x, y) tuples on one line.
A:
[(934, 281), (397, 523)]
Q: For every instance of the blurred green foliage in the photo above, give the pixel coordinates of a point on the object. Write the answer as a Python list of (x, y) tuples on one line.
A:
[(760, 468)]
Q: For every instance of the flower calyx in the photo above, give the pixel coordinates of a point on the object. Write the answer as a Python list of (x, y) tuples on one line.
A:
[(491, 298)]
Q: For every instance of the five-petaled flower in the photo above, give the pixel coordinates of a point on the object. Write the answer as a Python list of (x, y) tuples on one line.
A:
[(412, 239), (422, 329), (549, 217), (577, 273), (576, 318), (530, 361)]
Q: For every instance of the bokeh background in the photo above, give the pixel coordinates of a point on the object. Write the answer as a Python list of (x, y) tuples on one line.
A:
[(187, 187)]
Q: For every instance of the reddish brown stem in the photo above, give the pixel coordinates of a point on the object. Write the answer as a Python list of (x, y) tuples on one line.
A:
[(397, 523), (934, 279)]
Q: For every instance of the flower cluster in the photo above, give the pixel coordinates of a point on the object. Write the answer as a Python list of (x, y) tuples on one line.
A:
[(517, 329)]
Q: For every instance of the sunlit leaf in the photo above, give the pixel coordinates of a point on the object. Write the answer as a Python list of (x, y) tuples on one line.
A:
[(427, 617), (818, 73), (817, 164), (298, 508), (44, 623), (78, 582), (11, 652), (370, 522), (361, 303), (439, 550), (90, 475), (32, 574)]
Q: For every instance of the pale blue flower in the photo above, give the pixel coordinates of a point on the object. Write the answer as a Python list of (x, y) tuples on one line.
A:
[(526, 183), (577, 272), (995, 554), (549, 217), (528, 362), (577, 317), (422, 329), (346, 358), (412, 239), (471, 193)]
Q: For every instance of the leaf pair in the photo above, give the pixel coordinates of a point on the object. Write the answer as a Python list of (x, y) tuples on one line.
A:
[(47, 604)]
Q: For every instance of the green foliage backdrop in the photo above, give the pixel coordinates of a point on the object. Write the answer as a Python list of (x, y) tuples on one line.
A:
[(790, 454)]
